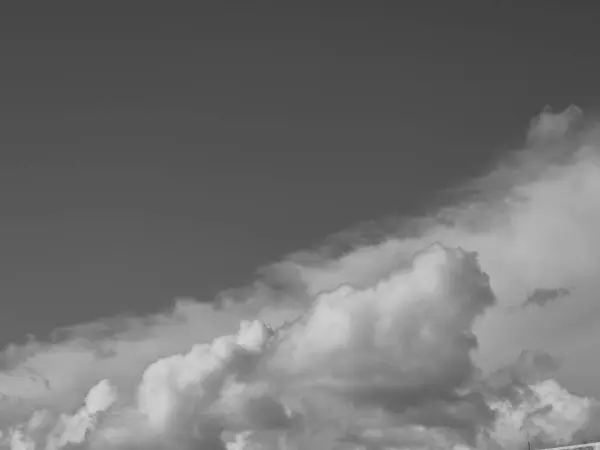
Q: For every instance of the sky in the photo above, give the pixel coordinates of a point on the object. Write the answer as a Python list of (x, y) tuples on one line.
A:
[(272, 161), (154, 155)]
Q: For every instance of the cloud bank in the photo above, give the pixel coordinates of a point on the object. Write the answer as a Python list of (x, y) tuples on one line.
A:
[(470, 327)]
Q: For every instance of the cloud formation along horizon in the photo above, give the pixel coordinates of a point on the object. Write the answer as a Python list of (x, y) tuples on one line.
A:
[(415, 337)]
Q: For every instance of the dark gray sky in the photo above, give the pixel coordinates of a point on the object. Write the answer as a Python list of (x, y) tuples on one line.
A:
[(149, 154)]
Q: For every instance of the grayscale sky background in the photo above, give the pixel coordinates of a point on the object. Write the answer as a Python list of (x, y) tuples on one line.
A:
[(161, 155)]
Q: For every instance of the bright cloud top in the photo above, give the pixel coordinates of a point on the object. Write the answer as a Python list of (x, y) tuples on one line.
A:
[(432, 336)]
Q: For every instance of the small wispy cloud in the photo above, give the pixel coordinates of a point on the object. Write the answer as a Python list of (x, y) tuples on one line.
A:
[(541, 297)]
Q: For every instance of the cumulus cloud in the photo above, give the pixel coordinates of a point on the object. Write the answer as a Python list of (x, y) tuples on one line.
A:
[(546, 414), (187, 400), (402, 345), (415, 336), (548, 125), (51, 431), (41, 374)]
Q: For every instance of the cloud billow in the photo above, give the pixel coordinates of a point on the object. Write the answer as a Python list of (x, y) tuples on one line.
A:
[(418, 337)]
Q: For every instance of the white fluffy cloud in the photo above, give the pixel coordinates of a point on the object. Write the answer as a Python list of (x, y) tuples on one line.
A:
[(424, 337)]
